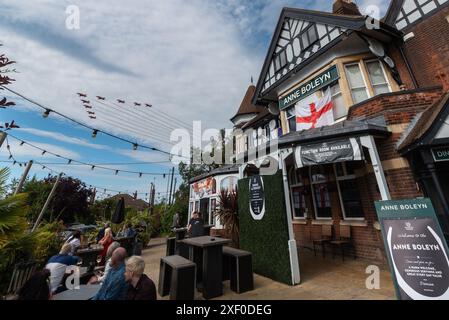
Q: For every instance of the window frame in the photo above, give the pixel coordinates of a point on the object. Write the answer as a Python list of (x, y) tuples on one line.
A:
[(312, 186), (278, 66), (345, 177), (306, 33), (383, 71), (294, 184), (287, 117), (358, 63)]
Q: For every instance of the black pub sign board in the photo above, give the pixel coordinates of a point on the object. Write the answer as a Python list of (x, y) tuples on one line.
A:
[(256, 197), (416, 249)]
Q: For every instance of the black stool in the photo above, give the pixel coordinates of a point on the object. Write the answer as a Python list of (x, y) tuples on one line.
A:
[(177, 278), (238, 267), (171, 246)]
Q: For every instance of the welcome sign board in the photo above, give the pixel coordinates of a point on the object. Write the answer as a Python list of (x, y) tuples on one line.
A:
[(416, 249)]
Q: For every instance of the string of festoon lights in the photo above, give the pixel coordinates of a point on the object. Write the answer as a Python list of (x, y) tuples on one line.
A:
[(70, 161), (44, 166), (95, 131)]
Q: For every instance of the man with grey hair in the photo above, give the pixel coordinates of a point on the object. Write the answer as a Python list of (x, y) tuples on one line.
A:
[(58, 265), (114, 286), (99, 277), (140, 286)]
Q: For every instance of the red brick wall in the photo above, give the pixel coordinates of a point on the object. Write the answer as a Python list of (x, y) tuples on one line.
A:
[(428, 51)]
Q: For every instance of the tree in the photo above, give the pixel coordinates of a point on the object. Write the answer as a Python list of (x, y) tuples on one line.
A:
[(4, 79), (69, 203)]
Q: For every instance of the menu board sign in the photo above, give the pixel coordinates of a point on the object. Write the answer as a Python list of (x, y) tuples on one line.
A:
[(416, 249), (256, 197)]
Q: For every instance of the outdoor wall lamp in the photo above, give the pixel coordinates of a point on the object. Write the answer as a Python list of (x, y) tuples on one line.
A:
[(46, 113)]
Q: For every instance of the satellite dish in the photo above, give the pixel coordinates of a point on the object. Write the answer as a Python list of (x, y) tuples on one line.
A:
[(376, 47), (273, 108)]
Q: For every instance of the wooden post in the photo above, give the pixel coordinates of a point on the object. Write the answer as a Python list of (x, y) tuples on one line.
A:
[(50, 196), (2, 137), (171, 185), (23, 178)]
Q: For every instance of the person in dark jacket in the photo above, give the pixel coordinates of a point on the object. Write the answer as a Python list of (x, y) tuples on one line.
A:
[(140, 286), (196, 226)]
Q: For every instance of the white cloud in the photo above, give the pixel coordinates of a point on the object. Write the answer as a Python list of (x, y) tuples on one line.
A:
[(64, 138), (24, 151)]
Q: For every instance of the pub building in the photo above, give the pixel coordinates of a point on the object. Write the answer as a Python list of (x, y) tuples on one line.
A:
[(205, 193), (359, 110)]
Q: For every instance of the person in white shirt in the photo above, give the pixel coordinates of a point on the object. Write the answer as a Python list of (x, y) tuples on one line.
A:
[(57, 265), (74, 241)]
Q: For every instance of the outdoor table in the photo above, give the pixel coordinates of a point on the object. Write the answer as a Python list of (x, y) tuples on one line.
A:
[(85, 292), (207, 253)]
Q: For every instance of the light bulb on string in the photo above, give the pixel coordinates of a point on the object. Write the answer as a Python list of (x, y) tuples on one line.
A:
[(10, 157), (94, 133), (135, 146), (116, 172), (93, 167), (70, 161), (8, 147), (44, 152), (46, 113), (22, 143), (140, 174), (14, 162)]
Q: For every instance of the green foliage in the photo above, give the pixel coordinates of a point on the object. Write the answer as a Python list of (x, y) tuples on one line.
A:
[(69, 203), (227, 212), (267, 238)]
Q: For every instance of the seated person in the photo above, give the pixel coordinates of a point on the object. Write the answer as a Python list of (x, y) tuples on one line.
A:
[(106, 241), (114, 286), (100, 234), (128, 231), (57, 265), (37, 287), (75, 241), (196, 226), (140, 286), (99, 278)]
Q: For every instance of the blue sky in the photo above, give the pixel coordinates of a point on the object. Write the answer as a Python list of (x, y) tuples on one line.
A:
[(192, 60)]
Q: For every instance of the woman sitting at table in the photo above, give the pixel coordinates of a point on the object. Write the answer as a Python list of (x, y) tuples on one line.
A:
[(105, 242)]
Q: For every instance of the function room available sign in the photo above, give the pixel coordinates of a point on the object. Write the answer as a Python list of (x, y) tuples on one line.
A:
[(311, 86), (416, 249), (328, 152), (256, 197)]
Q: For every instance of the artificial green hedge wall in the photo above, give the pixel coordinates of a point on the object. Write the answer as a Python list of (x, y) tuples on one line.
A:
[(267, 239)]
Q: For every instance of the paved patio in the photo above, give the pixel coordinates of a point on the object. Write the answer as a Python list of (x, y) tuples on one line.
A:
[(321, 279)]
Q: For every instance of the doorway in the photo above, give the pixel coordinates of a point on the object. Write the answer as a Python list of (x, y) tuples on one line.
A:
[(204, 209)]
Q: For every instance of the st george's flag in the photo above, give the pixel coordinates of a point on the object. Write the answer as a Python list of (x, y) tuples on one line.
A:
[(311, 114)]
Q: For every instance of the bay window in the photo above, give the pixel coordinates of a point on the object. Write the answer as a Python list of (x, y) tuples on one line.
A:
[(377, 77), (356, 81)]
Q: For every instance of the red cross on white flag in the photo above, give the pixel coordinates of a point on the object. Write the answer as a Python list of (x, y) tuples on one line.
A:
[(315, 114)]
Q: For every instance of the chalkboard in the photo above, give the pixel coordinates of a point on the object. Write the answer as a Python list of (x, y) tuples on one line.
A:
[(256, 197)]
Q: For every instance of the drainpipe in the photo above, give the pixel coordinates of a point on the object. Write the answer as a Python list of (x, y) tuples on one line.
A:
[(409, 68)]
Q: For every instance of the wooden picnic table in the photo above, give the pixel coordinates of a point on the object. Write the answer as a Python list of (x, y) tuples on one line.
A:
[(207, 253), (85, 292)]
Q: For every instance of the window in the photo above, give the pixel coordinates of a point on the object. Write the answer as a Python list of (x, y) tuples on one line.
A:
[(280, 60), (339, 108), (213, 206), (291, 118), (348, 190), (197, 206), (319, 177), (357, 83), (299, 193), (309, 37), (377, 77)]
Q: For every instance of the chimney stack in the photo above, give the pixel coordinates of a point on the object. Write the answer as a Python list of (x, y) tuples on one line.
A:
[(345, 7)]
